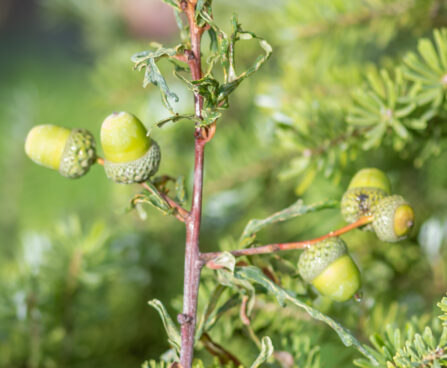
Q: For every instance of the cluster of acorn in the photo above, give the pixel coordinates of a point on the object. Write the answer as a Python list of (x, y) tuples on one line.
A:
[(328, 265), (130, 156)]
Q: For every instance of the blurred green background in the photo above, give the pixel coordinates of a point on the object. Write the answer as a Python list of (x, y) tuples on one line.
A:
[(76, 271)]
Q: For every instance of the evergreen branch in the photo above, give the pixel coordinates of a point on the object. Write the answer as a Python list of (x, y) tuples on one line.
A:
[(351, 19)]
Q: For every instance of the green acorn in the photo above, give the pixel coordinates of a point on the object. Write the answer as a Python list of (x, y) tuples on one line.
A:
[(393, 219), (371, 178), (130, 155), (71, 152), (365, 190), (330, 269)]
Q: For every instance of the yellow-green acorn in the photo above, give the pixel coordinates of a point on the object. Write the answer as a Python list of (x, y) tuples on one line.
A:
[(365, 190), (393, 219), (330, 269), (71, 152), (371, 178), (130, 156)]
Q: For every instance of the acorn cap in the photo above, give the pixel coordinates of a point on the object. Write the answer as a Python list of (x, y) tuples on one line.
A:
[(130, 156), (330, 269), (314, 260), (393, 219), (135, 171), (358, 202), (70, 152), (371, 178)]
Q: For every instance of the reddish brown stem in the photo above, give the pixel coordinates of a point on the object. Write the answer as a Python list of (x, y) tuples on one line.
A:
[(193, 264), (272, 248)]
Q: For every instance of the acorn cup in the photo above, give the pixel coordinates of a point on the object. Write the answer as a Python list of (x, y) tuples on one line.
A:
[(71, 152), (330, 269), (364, 192), (130, 156), (393, 219)]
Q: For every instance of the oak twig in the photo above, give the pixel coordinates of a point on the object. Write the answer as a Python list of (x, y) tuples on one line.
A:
[(193, 264), (181, 213), (272, 248)]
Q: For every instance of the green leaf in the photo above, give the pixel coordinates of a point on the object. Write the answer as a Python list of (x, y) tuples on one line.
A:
[(226, 277), (428, 53), (171, 329), (181, 195), (209, 309), (174, 119), (153, 198), (443, 306), (172, 3), (296, 209), (154, 76), (306, 181), (374, 136), (254, 275), (225, 260), (265, 353), (214, 92), (209, 117), (213, 41), (399, 128), (148, 60), (428, 70), (143, 56), (405, 110), (199, 6), (441, 43), (215, 315)]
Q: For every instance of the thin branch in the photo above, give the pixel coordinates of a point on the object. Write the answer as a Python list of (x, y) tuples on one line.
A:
[(181, 213), (243, 311), (277, 247), (215, 349), (181, 57), (193, 265)]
